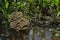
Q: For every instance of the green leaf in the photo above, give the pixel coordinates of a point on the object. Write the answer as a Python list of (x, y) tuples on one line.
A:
[(2, 10), (5, 1), (57, 1), (7, 4)]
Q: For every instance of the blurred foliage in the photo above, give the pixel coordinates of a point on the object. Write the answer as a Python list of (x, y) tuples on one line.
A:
[(30, 9)]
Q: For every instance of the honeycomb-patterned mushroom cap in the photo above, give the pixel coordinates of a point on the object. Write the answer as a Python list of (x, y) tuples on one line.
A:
[(18, 22)]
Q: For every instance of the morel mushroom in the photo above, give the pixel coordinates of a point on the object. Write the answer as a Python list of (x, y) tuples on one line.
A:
[(18, 22)]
